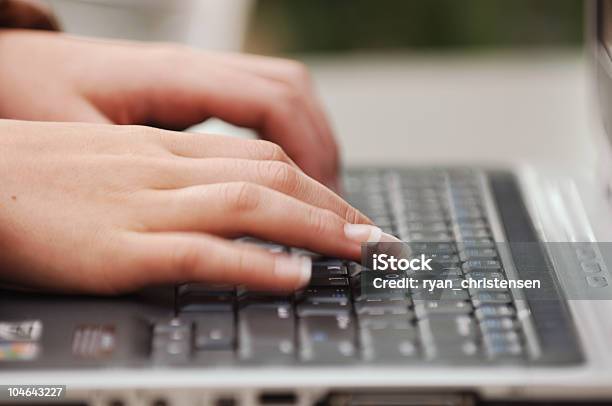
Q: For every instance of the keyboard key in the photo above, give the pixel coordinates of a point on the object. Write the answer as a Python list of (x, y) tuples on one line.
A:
[(485, 275), (503, 345), (386, 321), (214, 331), (491, 325), (477, 243), (481, 265), (444, 260), (306, 309), (429, 237), (266, 335), (380, 322), (329, 268), (390, 345), (472, 233), (263, 299), (197, 303), (471, 224), (325, 339), (369, 293), (432, 248), (205, 289), (477, 253), (486, 311), (474, 292), (433, 308), (431, 227), (441, 294), (382, 307), (324, 295), (482, 298), (451, 328), (171, 342), (449, 338), (331, 281)]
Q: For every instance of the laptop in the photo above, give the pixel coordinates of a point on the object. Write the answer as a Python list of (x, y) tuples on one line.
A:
[(343, 341)]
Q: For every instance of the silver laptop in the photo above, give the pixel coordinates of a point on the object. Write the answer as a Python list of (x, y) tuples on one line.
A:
[(340, 342)]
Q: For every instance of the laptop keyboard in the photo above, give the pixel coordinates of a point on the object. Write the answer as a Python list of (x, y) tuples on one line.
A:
[(333, 321)]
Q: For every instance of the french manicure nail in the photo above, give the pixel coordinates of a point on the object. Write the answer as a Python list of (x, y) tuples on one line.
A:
[(362, 233), (292, 266), (389, 238)]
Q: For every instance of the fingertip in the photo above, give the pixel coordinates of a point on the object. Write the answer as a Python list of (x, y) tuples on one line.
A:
[(292, 271)]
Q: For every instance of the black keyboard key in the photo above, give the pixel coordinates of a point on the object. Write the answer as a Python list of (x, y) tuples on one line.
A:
[(214, 331), (205, 302), (430, 237), (324, 295), (306, 309), (484, 297), (450, 328), (482, 265), (391, 345), (498, 324), (477, 253), (433, 308), (421, 226), (326, 339), (263, 299), (331, 281), (485, 275), (441, 294), (171, 342), (329, 268), (493, 311), (432, 248), (453, 337), (505, 344), (382, 307), (205, 289), (266, 335), (477, 243)]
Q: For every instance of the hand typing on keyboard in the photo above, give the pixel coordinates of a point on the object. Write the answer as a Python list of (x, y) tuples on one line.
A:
[(108, 209), (54, 77)]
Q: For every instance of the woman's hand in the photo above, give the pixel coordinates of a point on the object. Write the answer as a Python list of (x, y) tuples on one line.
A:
[(54, 77), (107, 209)]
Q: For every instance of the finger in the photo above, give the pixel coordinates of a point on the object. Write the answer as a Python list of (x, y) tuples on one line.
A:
[(293, 74), (276, 175), (162, 258), (277, 111), (192, 145), (72, 109), (239, 208)]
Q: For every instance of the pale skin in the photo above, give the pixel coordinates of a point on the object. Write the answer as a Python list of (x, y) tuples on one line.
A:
[(103, 208)]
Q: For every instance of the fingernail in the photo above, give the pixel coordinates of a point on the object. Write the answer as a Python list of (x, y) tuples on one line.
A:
[(362, 233), (389, 238), (290, 266)]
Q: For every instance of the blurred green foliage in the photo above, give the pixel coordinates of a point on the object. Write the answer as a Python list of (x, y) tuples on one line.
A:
[(287, 26)]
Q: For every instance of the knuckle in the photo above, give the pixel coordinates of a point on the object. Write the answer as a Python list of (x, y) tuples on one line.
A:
[(291, 99), (297, 72), (242, 196), (283, 176), (185, 261), (271, 151), (319, 221), (351, 215)]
